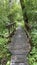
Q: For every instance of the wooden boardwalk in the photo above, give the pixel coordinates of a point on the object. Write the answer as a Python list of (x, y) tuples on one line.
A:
[(19, 47)]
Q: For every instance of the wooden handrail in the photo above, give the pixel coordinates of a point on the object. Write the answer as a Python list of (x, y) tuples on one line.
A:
[(9, 25), (30, 26)]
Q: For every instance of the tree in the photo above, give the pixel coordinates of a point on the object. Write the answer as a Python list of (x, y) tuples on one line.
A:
[(24, 13)]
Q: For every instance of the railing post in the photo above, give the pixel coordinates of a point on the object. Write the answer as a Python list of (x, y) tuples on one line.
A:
[(10, 32)]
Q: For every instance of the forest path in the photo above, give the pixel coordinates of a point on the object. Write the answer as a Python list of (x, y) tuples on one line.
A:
[(19, 47)]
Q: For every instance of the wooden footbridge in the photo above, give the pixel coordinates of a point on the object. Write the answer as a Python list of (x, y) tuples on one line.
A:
[(19, 47)]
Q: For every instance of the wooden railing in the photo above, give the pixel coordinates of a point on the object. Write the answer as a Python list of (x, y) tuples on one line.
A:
[(29, 27), (11, 28), (27, 30)]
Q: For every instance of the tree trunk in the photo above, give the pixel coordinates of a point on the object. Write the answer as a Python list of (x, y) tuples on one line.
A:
[(24, 13)]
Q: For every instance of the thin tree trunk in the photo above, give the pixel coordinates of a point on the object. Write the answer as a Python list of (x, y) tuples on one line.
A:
[(24, 13)]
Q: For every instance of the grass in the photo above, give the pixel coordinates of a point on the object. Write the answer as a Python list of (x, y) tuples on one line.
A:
[(4, 52), (32, 57)]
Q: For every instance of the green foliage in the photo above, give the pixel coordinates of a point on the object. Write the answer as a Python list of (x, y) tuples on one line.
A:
[(4, 11), (9, 12), (8, 63), (30, 8), (3, 49), (13, 13), (33, 54)]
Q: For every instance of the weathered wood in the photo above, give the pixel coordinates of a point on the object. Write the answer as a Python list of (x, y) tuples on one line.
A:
[(28, 34), (10, 35), (19, 48), (10, 25), (29, 27)]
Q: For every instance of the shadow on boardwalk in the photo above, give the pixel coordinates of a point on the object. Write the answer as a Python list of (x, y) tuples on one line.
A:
[(19, 47)]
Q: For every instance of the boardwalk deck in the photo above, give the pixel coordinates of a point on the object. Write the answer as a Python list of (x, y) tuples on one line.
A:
[(19, 47)]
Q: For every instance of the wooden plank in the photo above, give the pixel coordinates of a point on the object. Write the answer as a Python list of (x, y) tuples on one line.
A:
[(19, 48)]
